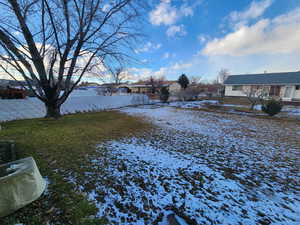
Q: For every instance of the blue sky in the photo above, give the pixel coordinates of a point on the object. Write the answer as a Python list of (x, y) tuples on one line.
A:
[(199, 37)]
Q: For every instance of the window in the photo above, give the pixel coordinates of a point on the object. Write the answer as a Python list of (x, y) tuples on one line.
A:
[(274, 91), (297, 87), (254, 88), (237, 88)]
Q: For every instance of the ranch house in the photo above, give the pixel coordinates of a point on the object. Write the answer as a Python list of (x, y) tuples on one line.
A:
[(285, 86)]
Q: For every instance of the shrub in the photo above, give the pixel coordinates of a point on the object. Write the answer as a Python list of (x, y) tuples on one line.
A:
[(271, 107), (188, 94), (183, 80), (164, 94), (191, 93)]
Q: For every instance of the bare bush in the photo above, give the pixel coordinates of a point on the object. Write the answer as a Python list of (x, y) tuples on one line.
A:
[(255, 94), (189, 94)]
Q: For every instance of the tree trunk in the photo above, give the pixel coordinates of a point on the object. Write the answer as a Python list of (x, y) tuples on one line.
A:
[(252, 105), (53, 110)]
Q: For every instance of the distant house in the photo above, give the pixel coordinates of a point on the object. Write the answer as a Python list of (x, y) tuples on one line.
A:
[(88, 84), (281, 85), (174, 86), (136, 88), (209, 90), (12, 89), (146, 88), (12, 83)]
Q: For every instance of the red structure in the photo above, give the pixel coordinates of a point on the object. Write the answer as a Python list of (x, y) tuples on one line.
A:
[(12, 93)]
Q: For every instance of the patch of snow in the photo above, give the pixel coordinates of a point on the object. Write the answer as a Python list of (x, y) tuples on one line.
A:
[(292, 110), (193, 104), (205, 167)]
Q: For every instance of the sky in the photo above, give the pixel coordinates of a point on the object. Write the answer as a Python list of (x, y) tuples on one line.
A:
[(200, 37)]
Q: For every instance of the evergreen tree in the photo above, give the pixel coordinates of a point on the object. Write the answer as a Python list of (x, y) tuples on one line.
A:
[(164, 94), (183, 80), (272, 107)]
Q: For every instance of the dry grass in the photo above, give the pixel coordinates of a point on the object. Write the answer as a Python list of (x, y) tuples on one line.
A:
[(231, 100), (60, 148)]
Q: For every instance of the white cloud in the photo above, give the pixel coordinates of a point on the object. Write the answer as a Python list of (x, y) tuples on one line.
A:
[(167, 14), (4, 75), (176, 30), (166, 55), (164, 13), (186, 10), (17, 33), (106, 7), (95, 68), (256, 9), (279, 35), (181, 66), (202, 38), (149, 46), (175, 69), (142, 73)]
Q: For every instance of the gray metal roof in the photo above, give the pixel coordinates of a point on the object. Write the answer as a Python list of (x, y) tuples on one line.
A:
[(264, 79)]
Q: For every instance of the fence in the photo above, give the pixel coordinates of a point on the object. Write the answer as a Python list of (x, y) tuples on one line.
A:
[(14, 109)]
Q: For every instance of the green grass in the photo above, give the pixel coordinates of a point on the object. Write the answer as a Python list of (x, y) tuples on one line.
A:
[(60, 148)]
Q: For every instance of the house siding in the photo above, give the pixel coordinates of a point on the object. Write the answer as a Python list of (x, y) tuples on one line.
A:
[(295, 94), (173, 88), (230, 92)]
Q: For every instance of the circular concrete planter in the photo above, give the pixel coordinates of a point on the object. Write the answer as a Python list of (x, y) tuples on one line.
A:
[(20, 184)]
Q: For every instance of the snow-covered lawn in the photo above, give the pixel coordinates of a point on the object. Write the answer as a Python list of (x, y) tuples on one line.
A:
[(206, 168), (287, 110), (193, 104)]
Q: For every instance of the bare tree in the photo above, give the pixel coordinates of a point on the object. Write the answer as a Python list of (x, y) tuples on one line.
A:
[(156, 83), (222, 76), (189, 94), (117, 74), (255, 94), (54, 43)]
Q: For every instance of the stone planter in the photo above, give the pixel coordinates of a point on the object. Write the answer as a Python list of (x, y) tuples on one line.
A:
[(20, 184)]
